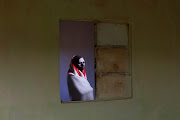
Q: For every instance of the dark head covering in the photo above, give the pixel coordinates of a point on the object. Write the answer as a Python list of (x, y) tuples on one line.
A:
[(75, 60)]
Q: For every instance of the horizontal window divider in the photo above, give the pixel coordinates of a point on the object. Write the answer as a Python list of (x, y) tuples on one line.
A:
[(111, 46), (107, 73)]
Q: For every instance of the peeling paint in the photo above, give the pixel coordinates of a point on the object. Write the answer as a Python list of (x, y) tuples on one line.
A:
[(112, 60), (113, 86)]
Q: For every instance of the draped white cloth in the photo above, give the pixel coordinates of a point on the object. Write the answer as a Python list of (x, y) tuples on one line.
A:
[(78, 85)]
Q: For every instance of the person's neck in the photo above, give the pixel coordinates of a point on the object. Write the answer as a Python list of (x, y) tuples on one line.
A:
[(81, 70)]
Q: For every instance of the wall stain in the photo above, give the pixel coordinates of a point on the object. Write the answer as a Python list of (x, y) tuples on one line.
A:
[(10, 6), (100, 3), (116, 67), (150, 3)]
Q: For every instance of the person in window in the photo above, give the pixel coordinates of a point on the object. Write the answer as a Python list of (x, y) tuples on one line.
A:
[(78, 85)]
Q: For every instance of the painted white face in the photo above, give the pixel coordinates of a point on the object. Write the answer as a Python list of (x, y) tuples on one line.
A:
[(81, 63)]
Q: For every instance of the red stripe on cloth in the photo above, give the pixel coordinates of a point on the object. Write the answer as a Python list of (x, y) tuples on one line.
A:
[(84, 73), (75, 68)]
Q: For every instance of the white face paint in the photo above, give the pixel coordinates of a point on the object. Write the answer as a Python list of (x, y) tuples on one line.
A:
[(81, 63)]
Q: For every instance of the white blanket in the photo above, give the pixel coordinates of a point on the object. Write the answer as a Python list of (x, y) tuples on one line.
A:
[(78, 85)]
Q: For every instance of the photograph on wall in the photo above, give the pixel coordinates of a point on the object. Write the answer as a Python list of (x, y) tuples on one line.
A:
[(95, 61)]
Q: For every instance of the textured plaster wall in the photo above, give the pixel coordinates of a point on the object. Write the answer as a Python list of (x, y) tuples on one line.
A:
[(29, 59)]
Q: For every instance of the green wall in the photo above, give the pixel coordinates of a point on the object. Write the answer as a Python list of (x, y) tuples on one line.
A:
[(29, 59)]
